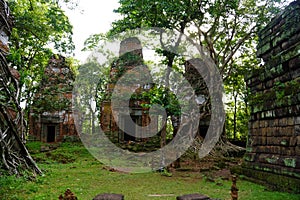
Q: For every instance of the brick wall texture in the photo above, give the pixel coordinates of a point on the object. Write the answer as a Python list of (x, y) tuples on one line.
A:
[(274, 128)]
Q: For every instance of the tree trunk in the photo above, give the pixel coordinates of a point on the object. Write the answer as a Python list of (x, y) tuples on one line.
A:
[(235, 116), (175, 124), (14, 155), (163, 136)]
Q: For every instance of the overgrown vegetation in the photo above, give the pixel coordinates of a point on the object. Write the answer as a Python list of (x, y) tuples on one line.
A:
[(87, 177), (69, 165), (230, 41), (14, 156), (40, 29)]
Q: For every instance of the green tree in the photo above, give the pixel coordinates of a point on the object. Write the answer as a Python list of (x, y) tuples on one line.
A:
[(227, 29), (15, 158), (237, 113), (40, 29), (236, 107), (100, 76)]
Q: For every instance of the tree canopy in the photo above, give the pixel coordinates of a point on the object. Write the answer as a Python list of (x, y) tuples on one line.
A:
[(40, 29), (227, 29)]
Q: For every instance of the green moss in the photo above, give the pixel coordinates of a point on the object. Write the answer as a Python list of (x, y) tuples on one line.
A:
[(272, 160), (283, 142), (269, 179), (282, 94), (290, 162), (248, 149)]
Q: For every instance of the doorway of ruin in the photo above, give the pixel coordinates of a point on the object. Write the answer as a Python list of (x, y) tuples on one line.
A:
[(51, 133)]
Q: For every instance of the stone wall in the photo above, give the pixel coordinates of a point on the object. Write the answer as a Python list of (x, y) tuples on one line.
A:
[(51, 116), (273, 153), (130, 56)]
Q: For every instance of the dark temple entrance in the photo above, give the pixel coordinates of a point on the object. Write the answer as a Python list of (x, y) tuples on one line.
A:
[(127, 136), (50, 133)]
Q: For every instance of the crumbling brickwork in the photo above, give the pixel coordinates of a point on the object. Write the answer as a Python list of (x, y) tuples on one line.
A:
[(274, 128), (51, 117), (130, 56)]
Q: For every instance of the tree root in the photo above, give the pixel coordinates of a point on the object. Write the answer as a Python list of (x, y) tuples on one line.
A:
[(222, 149), (14, 155)]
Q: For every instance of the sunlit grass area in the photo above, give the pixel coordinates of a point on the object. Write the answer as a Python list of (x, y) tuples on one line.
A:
[(71, 166)]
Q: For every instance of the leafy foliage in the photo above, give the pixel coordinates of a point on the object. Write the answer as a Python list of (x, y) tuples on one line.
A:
[(227, 29), (164, 97), (39, 26), (15, 158), (93, 81), (55, 86)]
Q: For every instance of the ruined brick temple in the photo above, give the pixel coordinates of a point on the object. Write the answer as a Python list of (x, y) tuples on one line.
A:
[(51, 117), (273, 152), (131, 56)]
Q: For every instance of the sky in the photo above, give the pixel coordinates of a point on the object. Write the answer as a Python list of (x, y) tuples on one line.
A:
[(90, 17)]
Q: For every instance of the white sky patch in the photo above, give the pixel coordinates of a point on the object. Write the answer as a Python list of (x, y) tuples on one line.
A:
[(91, 17)]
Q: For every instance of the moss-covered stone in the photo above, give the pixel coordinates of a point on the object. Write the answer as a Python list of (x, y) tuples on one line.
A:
[(275, 105), (272, 160), (290, 162), (271, 180)]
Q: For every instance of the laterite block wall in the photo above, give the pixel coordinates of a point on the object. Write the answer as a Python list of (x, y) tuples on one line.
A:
[(273, 152)]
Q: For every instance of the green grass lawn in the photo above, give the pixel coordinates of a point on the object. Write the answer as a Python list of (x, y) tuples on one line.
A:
[(87, 177)]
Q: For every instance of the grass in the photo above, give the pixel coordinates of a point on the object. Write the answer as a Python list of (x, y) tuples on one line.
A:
[(71, 166)]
